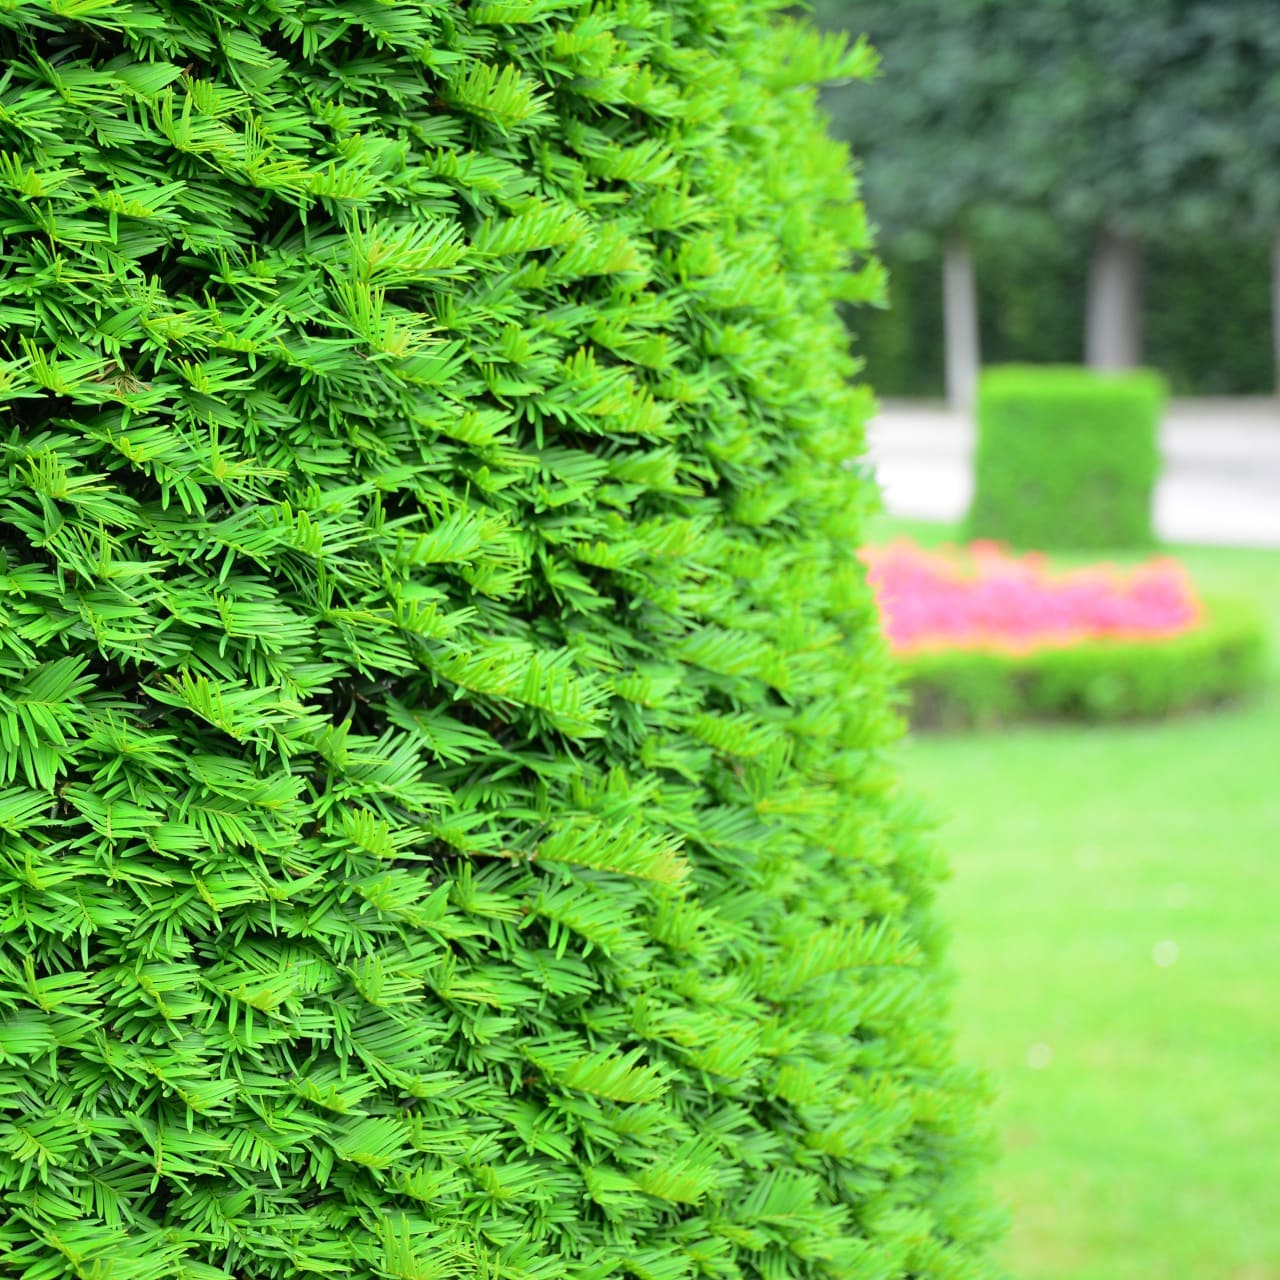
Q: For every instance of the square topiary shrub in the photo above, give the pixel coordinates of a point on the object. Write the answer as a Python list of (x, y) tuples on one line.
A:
[(1066, 457)]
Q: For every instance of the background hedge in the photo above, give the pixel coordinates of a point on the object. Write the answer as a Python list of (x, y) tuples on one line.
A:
[(1206, 315), (1065, 457), (1222, 659), (445, 825)]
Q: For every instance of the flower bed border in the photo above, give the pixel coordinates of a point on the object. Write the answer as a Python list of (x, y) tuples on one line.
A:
[(1217, 661)]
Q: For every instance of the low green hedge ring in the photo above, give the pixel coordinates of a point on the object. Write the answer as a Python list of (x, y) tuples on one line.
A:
[(1099, 680)]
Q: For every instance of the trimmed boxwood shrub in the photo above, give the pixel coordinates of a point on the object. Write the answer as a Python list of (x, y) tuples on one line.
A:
[(1066, 457), (1222, 658), (445, 823)]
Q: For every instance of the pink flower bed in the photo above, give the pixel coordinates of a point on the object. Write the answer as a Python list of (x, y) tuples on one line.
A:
[(984, 597)]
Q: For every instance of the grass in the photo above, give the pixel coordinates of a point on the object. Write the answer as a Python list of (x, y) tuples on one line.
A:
[(1114, 912)]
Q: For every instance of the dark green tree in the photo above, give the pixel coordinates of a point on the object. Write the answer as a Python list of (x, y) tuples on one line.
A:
[(1117, 123), (446, 823)]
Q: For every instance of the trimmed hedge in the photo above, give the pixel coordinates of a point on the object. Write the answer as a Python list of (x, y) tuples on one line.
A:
[(1066, 457), (1221, 659), (446, 828)]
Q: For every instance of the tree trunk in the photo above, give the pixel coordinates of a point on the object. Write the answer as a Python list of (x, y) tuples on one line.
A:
[(1113, 323), (960, 323)]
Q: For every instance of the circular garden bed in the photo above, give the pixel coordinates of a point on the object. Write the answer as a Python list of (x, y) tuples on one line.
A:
[(984, 636)]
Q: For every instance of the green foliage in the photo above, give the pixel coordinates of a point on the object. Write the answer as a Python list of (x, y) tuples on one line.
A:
[(1020, 120), (1222, 659), (903, 344), (1207, 316), (1029, 128), (445, 824), (1066, 458)]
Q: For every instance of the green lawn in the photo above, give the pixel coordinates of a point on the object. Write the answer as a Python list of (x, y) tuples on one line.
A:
[(1115, 908)]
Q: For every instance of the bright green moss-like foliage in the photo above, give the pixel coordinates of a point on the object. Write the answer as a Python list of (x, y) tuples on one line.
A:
[(445, 829), (1066, 457)]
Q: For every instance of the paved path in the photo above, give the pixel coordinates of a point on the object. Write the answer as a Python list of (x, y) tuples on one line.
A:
[(1220, 481)]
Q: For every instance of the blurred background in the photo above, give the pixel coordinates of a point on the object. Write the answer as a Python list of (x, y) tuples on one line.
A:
[(1095, 184)]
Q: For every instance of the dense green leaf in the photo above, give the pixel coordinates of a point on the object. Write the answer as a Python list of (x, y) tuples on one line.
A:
[(446, 827)]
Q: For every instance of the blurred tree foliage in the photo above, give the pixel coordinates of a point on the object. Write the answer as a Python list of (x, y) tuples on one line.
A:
[(1032, 127), (1160, 117)]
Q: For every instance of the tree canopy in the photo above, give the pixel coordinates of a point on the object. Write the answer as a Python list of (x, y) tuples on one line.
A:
[(1158, 118)]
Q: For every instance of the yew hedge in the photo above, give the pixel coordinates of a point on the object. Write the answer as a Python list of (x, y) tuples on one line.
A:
[(445, 821)]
